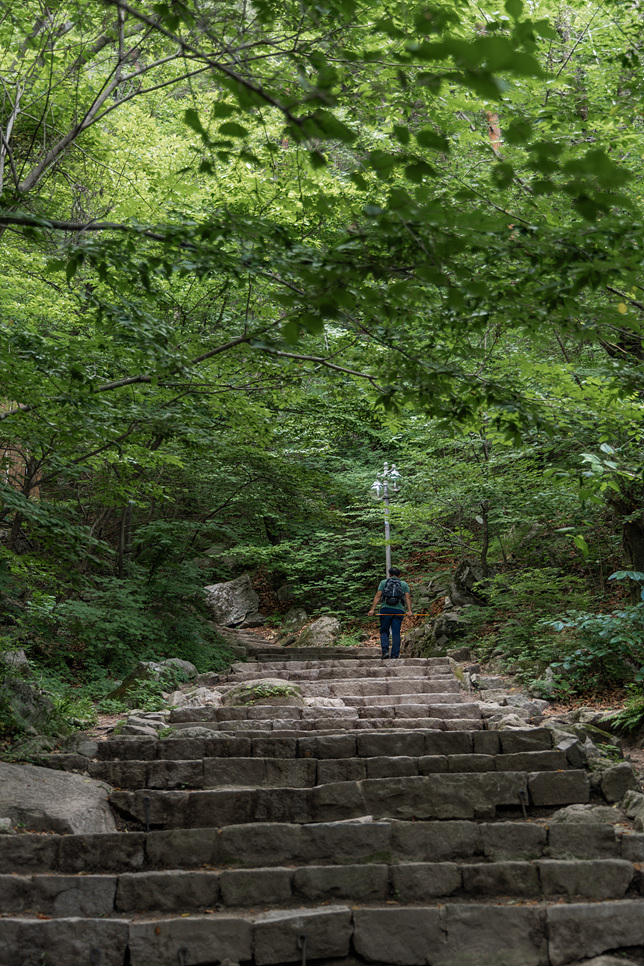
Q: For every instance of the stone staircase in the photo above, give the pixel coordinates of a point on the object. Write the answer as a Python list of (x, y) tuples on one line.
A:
[(394, 830)]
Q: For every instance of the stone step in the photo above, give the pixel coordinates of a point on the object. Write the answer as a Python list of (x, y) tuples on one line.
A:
[(444, 934), (259, 844), (334, 671), (439, 706), (308, 772), (370, 744), (370, 662), (292, 727), (268, 655), (285, 886), (338, 688), (437, 796)]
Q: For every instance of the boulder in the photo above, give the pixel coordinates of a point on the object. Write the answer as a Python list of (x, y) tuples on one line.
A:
[(152, 671), (15, 659), (44, 800), (465, 586), (616, 780), (263, 691), (587, 815), (29, 709), (507, 721), (633, 805), (449, 624), (234, 603), (294, 620), (195, 698), (322, 632), (185, 668)]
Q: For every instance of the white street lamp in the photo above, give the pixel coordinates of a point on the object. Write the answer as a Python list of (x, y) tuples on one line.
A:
[(390, 483)]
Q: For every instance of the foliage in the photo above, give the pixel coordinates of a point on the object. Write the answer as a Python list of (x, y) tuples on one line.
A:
[(606, 648), (511, 626)]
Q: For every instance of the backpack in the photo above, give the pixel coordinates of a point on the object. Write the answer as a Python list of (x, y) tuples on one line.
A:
[(392, 592)]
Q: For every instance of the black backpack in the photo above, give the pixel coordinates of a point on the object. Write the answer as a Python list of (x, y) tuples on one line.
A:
[(392, 592)]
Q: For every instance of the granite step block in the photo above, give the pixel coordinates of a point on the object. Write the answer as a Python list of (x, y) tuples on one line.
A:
[(353, 842), (437, 796)]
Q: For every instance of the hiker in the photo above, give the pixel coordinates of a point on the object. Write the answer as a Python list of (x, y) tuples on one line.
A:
[(394, 594)]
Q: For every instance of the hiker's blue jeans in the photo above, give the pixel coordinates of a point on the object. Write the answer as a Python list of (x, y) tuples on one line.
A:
[(390, 620)]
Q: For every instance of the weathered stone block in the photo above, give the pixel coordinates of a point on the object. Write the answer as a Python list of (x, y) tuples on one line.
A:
[(328, 746), (533, 739), (218, 772), (140, 749), (532, 761), (419, 881), (393, 767), (341, 770), (66, 896), (558, 788), (518, 879), (277, 935), (400, 937), (207, 939), (337, 801), (476, 934), (29, 942), (359, 883), (27, 853), (618, 780), (345, 842), (256, 887), (173, 774), (16, 893), (486, 743), (260, 844), (166, 891), (471, 763), (582, 930), (509, 840), (593, 879), (380, 745), (585, 841), (434, 842), (448, 743), (433, 764), (632, 846)]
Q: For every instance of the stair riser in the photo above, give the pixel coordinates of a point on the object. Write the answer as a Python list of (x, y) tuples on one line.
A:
[(308, 772), (369, 745), (336, 685), (165, 892), (436, 797), (453, 934), (254, 845), (379, 708), (293, 727)]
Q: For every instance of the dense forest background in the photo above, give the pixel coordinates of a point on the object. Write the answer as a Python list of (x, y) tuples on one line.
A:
[(251, 251)]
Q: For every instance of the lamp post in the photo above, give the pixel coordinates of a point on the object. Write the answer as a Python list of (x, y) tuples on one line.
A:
[(381, 490)]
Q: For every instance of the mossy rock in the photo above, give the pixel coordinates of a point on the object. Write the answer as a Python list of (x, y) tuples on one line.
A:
[(263, 691)]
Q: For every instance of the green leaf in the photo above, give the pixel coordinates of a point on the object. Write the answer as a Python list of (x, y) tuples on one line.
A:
[(427, 138), (233, 129), (503, 174), (514, 8)]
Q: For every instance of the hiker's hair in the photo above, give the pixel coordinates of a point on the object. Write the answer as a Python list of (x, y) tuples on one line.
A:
[(394, 572)]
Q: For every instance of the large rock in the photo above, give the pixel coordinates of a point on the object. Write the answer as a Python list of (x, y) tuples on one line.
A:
[(322, 632), (468, 584), (263, 691), (44, 800), (234, 603), (153, 671), (28, 708)]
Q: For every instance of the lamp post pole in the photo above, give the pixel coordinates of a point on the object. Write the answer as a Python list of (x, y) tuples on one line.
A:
[(390, 477)]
